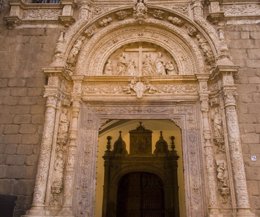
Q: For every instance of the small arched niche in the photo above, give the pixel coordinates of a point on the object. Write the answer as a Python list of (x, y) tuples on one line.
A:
[(140, 59), (112, 129)]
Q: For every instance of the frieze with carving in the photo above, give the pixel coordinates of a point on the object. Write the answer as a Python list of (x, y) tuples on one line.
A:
[(41, 14), (238, 10)]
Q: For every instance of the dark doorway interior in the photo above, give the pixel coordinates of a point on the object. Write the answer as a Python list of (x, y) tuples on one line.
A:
[(140, 194)]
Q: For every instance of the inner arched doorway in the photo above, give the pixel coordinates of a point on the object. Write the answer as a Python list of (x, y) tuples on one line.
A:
[(173, 191), (140, 194)]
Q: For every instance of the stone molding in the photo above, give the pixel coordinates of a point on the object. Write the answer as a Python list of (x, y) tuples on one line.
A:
[(22, 13)]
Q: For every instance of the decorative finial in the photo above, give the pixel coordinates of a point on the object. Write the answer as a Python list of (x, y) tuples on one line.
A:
[(173, 142), (109, 143)]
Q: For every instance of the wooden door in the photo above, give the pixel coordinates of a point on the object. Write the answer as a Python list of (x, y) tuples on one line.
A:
[(140, 194)]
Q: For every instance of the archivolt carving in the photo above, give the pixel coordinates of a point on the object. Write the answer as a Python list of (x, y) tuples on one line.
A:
[(186, 62), (121, 16)]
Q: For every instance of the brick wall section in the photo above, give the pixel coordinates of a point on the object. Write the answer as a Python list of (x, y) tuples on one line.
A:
[(23, 53), (244, 44)]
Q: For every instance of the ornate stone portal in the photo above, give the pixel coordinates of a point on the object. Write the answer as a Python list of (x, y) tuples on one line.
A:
[(141, 62)]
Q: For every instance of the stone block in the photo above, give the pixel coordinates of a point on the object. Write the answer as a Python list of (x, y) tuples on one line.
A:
[(242, 108), (22, 119), (37, 109), (25, 149), (28, 128), (254, 53), (17, 82), (16, 172), (3, 82), (255, 35), (246, 89), (238, 53), (248, 128), (245, 35), (257, 128), (7, 73), (37, 119), (30, 139), (11, 148), (232, 35), (254, 148), (28, 100), (6, 118), (4, 91), (10, 100), (19, 109), (250, 138), (2, 148), (252, 173), (24, 187), (3, 171), (6, 186), (2, 159), (15, 159), (247, 118), (254, 80), (35, 91), (241, 43), (35, 82), (11, 129), (253, 64), (31, 172), (12, 138), (19, 91), (254, 108), (31, 160)]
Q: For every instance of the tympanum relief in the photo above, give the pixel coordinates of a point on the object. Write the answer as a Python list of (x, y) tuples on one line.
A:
[(140, 59)]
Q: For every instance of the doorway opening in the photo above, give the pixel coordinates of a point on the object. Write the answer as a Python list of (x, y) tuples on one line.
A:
[(140, 194), (167, 129)]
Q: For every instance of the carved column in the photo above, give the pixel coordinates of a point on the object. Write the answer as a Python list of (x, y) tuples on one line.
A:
[(38, 204), (214, 210), (72, 150), (229, 91)]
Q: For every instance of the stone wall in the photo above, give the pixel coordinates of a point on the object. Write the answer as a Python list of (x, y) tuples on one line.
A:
[(23, 53), (244, 44)]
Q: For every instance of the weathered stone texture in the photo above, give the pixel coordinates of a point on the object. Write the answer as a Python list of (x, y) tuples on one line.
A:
[(244, 43), (24, 52)]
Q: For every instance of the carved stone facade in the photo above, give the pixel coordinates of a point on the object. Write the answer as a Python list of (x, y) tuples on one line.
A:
[(139, 60)]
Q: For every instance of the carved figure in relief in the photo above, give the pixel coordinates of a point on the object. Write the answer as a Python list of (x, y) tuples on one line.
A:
[(131, 68), (170, 69), (75, 51), (59, 163), (222, 176), (148, 65), (218, 130), (159, 65), (122, 65), (108, 68)]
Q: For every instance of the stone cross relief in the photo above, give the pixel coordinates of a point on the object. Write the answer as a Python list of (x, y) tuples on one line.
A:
[(140, 60)]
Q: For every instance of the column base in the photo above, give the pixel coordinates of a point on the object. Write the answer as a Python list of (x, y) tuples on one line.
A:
[(65, 211), (215, 213), (245, 213), (35, 211)]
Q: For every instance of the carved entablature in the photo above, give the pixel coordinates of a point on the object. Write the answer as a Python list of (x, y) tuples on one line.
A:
[(140, 59)]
